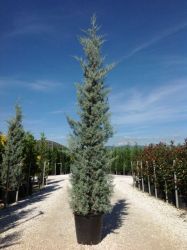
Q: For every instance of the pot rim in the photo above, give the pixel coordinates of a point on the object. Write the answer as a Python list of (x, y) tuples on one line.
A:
[(88, 215)]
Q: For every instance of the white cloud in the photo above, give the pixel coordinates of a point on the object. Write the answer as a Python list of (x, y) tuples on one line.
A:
[(43, 85), (36, 85), (155, 40), (29, 25), (56, 112), (33, 122), (30, 30), (5, 81), (173, 61), (160, 105)]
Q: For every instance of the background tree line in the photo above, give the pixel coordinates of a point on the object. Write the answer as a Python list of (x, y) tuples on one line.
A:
[(122, 158)]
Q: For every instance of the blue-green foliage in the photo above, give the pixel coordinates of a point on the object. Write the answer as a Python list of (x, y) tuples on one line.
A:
[(91, 184), (13, 157)]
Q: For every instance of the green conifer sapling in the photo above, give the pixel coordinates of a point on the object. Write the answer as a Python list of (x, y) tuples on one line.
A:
[(13, 156)]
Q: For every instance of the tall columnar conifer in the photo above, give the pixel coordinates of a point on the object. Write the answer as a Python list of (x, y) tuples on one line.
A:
[(91, 183), (13, 156)]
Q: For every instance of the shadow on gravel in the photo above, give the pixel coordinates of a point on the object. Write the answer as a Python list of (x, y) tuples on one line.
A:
[(51, 182), (18, 213), (9, 240), (114, 220)]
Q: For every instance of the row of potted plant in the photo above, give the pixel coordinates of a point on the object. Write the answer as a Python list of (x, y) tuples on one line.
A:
[(164, 168)]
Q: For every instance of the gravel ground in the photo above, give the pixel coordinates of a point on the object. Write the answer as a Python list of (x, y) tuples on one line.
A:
[(137, 221)]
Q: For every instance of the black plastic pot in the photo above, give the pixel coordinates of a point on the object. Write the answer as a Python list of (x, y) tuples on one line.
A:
[(183, 201), (146, 187), (11, 197), (161, 194), (171, 198), (88, 228)]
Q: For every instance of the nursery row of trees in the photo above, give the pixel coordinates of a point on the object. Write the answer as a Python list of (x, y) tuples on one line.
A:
[(161, 170), (24, 159), (122, 158)]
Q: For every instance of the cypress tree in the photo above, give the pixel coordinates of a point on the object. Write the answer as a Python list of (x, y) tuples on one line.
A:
[(13, 156), (90, 179)]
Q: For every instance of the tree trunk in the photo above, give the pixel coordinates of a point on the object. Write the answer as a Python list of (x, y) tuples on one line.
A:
[(7, 186), (55, 168), (148, 178), (166, 191), (43, 174), (6, 198), (28, 180), (133, 175), (124, 169), (60, 168), (149, 186), (142, 178), (138, 175), (176, 190), (155, 180), (17, 194)]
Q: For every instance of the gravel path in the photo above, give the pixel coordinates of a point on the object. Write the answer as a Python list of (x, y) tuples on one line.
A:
[(137, 221)]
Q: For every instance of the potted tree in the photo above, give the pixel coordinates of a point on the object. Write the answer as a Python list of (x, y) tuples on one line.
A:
[(91, 182), (13, 158)]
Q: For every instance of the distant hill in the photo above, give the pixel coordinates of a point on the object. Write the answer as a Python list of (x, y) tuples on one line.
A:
[(53, 144), (124, 146)]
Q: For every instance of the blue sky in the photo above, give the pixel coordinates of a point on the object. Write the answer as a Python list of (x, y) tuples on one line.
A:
[(148, 39)]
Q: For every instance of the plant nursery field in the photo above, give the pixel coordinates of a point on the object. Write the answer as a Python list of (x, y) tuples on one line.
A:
[(137, 221)]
